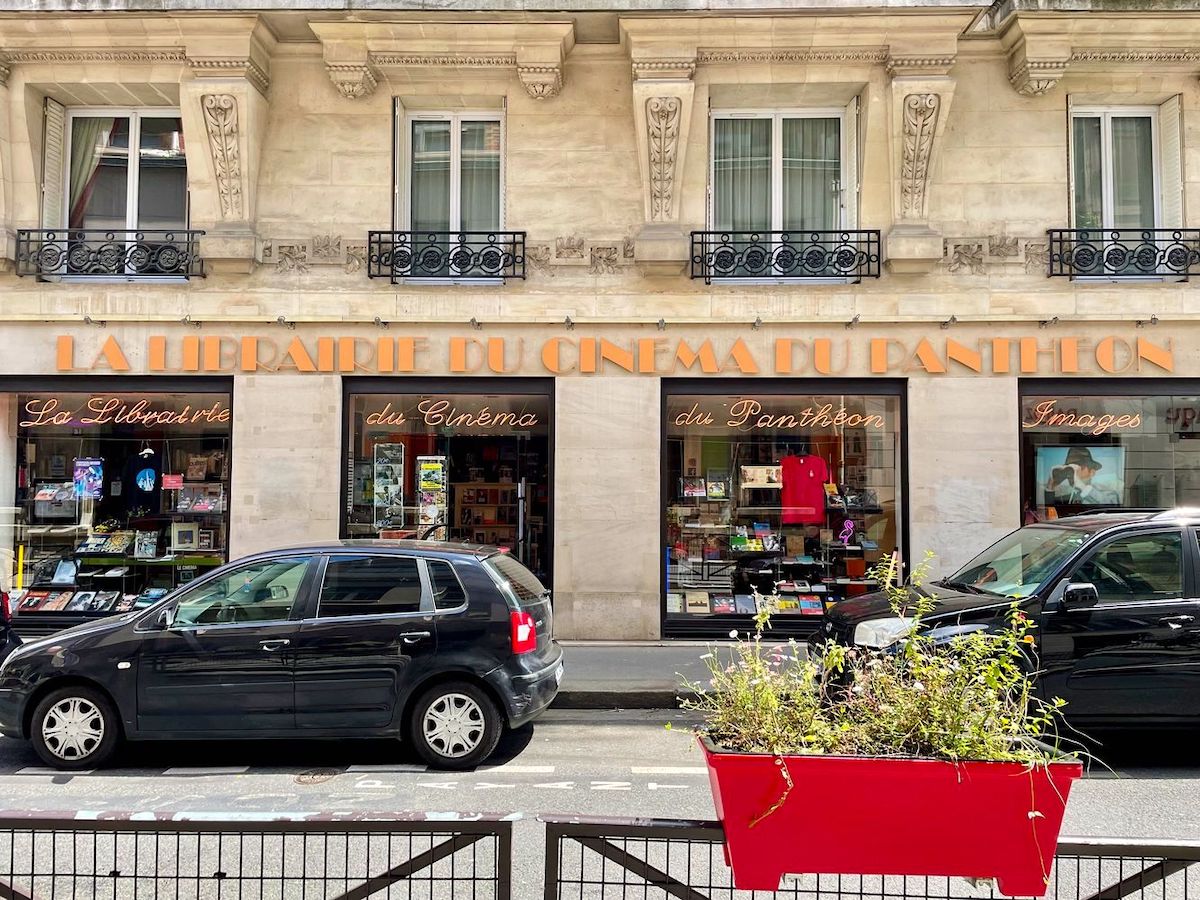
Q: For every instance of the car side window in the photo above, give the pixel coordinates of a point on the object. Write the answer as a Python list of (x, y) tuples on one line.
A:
[(258, 592), (448, 591), (370, 586), (1139, 567)]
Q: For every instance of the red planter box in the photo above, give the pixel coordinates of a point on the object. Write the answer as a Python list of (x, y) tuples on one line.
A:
[(879, 816)]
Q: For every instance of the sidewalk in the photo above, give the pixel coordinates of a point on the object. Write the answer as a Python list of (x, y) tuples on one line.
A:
[(633, 675)]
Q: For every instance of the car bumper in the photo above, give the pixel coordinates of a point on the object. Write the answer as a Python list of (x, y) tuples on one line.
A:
[(531, 692), (11, 705)]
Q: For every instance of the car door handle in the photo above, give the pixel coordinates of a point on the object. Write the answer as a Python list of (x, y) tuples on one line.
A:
[(411, 637), (1166, 620), (276, 644)]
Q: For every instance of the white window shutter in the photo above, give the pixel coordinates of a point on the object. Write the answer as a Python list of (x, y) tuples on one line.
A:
[(1170, 130), (850, 165), (1070, 163), (54, 164)]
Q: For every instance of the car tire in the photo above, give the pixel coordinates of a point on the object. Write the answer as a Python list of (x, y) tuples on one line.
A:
[(455, 726), (74, 728)]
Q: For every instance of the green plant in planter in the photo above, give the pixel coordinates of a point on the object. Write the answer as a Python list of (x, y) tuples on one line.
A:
[(964, 696)]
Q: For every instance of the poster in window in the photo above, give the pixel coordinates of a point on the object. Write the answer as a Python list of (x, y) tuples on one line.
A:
[(89, 479), (431, 496), (716, 484), (693, 486), (1080, 474), (388, 500)]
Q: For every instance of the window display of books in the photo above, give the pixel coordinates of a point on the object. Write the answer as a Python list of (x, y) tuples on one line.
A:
[(201, 498)]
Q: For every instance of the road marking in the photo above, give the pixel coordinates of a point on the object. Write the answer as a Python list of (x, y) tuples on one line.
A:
[(519, 770), (210, 770), (46, 770), (373, 784), (557, 786), (611, 786), (439, 785), (667, 787), (669, 770), (485, 785), (400, 767)]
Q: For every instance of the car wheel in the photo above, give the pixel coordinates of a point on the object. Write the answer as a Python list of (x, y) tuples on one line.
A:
[(455, 726), (75, 728)]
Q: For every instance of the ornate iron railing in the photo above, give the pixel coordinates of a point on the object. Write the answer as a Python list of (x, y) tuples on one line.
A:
[(1124, 253), (786, 255), (100, 253), (445, 254)]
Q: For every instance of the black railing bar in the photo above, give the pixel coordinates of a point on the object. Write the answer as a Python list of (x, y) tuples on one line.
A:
[(8, 892), (684, 829), (375, 883), (555, 832), (642, 869), (359, 822), (1188, 851), (512, 233), (1101, 231), (1160, 871), (503, 873)]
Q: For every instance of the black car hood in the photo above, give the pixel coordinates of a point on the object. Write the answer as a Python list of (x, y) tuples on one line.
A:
[(77, 633), (948, 603)]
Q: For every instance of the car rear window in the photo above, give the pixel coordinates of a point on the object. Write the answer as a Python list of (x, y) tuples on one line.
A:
[(448, 591), (523, 582)]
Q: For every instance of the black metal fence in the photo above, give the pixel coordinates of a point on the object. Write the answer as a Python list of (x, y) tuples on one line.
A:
[(785, 255), (400, 255), (354, 857), (1124, 253), (656, 859), (100, 253)]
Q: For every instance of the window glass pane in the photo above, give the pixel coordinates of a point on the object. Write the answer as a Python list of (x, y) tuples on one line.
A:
[(1136, 568), (479, 185), (1088, 173), (742, 174), (1016, 565), (1133, 172), (98, 181), (430, 187), (370, 586), (162, 174), (448, 592), (262, 592), (811, 174), (523, 582)]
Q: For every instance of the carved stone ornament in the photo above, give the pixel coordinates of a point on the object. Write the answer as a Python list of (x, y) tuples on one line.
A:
[(224, 67), (92, 56), (867, 55), (1032, 78), (920, 122), (919, 65), (221, 122), (352, 81), (664, 69), (965, 258), (4, 73), (604, 261), (541, 81), (662, 123)]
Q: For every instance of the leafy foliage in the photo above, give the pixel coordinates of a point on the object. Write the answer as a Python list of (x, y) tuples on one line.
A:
[(960, 696)]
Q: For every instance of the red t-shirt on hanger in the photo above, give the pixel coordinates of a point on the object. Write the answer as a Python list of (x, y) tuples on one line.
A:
[(803, 489)]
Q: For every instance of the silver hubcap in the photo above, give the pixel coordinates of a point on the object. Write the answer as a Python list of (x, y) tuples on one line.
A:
[(454, 725), (73, 728)]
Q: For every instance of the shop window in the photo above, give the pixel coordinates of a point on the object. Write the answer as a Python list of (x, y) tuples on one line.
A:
[(1138, 568), (119, 497), (461, 467), (770, 490), (370, 586), (1082, 451)]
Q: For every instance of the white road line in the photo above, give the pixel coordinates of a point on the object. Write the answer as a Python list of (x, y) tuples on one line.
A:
[(208, 770), (519, 770), (400, 767), (46, 770), (669, 770), (557, 785)]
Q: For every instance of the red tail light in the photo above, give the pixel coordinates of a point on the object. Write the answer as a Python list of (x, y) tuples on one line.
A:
[(524, 634), (6, 612)]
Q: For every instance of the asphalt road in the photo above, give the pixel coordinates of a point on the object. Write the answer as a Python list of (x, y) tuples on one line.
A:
[(584, 763)]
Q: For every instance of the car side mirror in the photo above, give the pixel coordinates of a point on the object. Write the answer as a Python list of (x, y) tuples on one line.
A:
[(165, 619), (1080, 595)]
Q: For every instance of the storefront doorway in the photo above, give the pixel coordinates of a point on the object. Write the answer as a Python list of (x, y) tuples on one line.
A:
[(463, 460), (784, 490)]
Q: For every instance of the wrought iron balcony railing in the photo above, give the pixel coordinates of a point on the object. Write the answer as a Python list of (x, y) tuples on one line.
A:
[(100, 253), (785, 255), (400, 255), (1124, 253)]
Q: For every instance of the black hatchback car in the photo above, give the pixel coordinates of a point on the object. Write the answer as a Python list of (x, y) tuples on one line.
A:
[(1116, 600), (439, 644)]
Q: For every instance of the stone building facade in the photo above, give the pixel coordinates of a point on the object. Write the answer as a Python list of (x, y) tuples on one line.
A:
[(940, 223)]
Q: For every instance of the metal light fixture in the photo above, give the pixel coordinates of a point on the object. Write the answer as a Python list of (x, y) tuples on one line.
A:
[(853, 321), (757, 323), (188, 320), (475, 323), (380, 323), (1046, 323), (950, 321), (99, 323), (290, 326), (662, 324), (569, 323), (1142, 323)]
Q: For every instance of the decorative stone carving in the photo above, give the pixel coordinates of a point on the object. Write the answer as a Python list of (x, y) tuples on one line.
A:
[(965, 258), (352, 81), (1032, 78), (920, 123), (919, 65), (627, 248), (327, 249), (1037, 257), (217, 67), (664, 69), (1003, 246), (541, 81), (662, 122), (570, 247), (538, 256), (292, 258), (604, 261), (866, 55), (221, 122), (1186, 55), (4, 72), (94, 56), (464, 60), (356, 258)]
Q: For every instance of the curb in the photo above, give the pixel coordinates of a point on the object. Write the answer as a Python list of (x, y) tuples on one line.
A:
[(635, 699)]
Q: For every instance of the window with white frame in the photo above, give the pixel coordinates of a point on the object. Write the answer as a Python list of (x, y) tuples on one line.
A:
[(1126, 170), (783, 171), (454, 176), (125, 170)]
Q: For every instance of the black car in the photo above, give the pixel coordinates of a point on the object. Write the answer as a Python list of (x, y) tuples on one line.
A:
[(439, 644), (1116, 601)]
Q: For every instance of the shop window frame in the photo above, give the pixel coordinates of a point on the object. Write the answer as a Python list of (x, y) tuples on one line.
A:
[(1049, 387), (724, 387)]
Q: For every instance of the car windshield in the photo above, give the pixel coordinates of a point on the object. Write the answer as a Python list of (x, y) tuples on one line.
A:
[(1016, 565)]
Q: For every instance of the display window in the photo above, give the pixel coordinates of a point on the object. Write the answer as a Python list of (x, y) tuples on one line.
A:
[(777, 489), (1091, 446), (465, 461), (119, 495)]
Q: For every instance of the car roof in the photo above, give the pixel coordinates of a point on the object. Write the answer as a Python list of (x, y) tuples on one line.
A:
[(1104, 521), (433, 549)]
